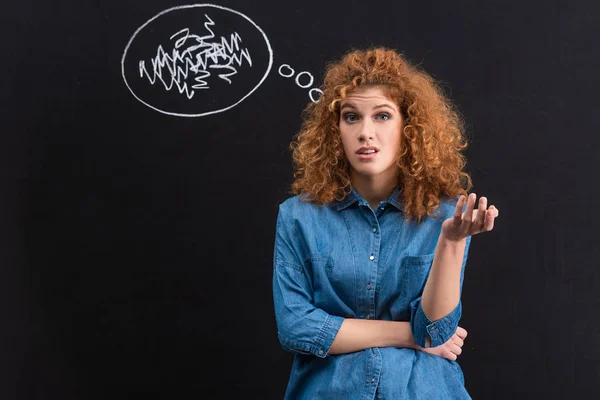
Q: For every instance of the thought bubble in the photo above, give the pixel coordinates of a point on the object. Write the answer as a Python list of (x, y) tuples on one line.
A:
[(196, 60)]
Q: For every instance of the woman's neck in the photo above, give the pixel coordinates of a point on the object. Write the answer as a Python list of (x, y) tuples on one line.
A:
[(372, 190)]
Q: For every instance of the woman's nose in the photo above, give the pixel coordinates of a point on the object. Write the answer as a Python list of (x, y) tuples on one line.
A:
[(365, 132)]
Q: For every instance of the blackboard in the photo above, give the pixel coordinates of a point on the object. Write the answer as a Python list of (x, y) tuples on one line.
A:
[(139, 202)]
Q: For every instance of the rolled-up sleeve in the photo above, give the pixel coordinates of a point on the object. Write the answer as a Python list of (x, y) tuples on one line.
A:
[(302, 327), (439, 331)]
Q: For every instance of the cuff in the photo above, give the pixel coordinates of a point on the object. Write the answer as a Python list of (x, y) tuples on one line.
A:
[(439, 331), (320, 347)]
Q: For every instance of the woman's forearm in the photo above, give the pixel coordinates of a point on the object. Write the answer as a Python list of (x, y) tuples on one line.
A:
[(442, 290), (359, 334)]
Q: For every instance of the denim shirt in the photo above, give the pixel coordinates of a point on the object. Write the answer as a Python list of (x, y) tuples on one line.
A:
[(345, 260)]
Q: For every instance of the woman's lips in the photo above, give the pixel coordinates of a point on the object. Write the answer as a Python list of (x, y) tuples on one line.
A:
[(367, 155)]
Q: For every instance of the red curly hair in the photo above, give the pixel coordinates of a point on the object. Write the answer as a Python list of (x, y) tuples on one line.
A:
[(431, 163)]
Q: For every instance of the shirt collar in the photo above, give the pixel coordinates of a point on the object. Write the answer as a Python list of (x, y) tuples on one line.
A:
[(355, 197)]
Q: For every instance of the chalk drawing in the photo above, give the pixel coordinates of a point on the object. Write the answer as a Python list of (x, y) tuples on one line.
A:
[(287, 71), (192, 71)]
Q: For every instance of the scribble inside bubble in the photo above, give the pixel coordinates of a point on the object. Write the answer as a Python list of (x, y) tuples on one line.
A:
[(196, 60)]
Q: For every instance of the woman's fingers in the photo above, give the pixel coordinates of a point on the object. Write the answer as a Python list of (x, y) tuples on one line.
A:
[(468, 215), (458, 341), (461, 332), (456, 349), (481, 213), (452, 348), (459, 207), (480, 219), (490, 216), (473, 220)]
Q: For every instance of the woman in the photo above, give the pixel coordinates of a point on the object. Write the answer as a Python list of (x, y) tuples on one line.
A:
[(370, 250)]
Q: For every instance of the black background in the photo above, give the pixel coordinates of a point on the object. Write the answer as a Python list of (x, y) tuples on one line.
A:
[(137, 246)]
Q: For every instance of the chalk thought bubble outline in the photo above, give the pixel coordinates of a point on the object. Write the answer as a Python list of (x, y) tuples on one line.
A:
[(270, 50)]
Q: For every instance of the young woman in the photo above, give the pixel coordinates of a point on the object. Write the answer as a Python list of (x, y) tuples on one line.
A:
[(370, 250)]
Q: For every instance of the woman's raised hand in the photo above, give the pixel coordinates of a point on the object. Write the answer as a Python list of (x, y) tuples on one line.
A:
[(472, 221)]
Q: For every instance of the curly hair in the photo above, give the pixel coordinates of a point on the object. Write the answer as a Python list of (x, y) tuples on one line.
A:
[(431, 162)]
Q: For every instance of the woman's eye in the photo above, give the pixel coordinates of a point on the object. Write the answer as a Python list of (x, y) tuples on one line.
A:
[(350, 117), (383, 116)]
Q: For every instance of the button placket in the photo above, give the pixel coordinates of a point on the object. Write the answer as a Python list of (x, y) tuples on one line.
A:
[(369, 285)]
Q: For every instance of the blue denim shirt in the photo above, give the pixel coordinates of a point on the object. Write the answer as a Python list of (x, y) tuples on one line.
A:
[(347, 260)]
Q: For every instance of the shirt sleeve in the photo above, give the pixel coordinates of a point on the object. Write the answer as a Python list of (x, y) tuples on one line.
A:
[(302, 327), (441, 330)]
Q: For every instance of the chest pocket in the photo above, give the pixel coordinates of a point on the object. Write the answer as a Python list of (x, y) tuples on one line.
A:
[(415, 270)]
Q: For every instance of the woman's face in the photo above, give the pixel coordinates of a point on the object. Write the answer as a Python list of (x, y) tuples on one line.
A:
[(371, 128)]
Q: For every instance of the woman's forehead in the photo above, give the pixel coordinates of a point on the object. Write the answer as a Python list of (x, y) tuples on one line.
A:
[(369, 94)]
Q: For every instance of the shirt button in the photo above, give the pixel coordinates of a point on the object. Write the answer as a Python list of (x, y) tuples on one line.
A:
[(432, 329), (374, 229), (320, 352), (368, 286), (372, 258), (372, 379)]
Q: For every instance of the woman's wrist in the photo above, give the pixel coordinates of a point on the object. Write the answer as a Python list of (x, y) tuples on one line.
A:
[(446, 240)]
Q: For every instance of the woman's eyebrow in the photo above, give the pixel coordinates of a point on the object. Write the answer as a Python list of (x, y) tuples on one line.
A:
[(385, 106)]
